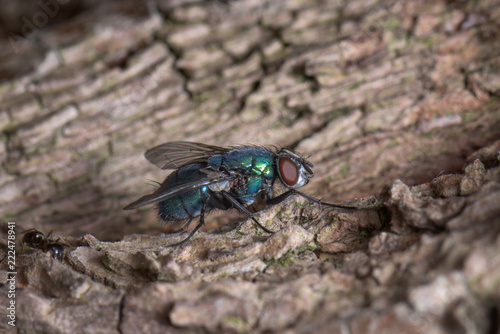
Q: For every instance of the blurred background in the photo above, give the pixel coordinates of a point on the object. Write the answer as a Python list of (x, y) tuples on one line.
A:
[(371, 91)]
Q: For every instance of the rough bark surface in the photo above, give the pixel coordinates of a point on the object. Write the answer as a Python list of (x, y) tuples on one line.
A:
[(396, 103)]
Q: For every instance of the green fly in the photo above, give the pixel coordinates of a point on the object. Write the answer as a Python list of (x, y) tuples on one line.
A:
[(207, 177)]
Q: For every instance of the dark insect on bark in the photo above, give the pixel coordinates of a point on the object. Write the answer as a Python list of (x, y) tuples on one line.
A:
[(208, 177)]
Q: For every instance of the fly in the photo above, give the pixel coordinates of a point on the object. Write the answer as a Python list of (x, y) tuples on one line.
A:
[(208, 177)]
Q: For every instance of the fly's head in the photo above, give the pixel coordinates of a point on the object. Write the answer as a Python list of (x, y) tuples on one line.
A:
[(293, 170)]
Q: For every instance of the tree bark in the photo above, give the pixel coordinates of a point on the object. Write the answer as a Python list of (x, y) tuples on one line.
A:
[(395, 102)]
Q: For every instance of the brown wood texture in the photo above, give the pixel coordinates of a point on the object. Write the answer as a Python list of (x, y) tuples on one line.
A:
[(386, 98)]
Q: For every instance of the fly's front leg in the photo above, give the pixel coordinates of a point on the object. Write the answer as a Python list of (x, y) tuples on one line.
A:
[(280, 198), (320, 202), (285, 195)]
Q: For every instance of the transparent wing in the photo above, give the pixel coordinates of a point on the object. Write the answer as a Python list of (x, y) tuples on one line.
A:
[(167, 191), (178, 153)]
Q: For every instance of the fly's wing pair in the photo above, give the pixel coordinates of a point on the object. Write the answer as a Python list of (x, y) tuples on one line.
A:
[(173, 156), (179, 153)]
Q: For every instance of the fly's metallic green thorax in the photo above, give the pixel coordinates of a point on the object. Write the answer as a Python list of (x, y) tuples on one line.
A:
[(254, 164), (211, 177)]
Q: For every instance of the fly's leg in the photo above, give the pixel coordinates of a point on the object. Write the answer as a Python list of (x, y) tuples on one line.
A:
[(320, 202), (181, 229), (285, 195), (280, 198), (200, 224), (240, 207)]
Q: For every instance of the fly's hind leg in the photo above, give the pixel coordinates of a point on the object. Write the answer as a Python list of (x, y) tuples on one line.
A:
[(200, 224)]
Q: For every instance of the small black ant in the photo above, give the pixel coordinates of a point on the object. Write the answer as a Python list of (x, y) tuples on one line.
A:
[(37, 240)]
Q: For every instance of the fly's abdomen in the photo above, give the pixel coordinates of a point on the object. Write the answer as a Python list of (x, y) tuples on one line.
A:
[(181, 207), (188, 204)]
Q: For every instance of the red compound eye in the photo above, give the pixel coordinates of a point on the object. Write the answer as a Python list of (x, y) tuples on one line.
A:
[(288, 171)]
